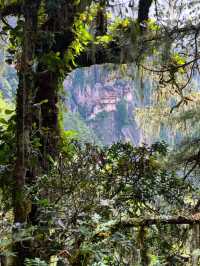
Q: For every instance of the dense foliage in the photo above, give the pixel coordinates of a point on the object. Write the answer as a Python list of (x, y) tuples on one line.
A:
[(95, 203), (69, 203)]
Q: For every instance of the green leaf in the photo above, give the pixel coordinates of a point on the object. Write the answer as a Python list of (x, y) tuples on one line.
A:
[(8, 112), (3, 121), (43, 202)]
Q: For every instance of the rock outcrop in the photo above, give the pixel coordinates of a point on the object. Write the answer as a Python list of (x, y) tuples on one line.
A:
[(105, 103)]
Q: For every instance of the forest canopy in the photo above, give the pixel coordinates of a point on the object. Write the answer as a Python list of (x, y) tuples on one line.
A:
[(69, 203)]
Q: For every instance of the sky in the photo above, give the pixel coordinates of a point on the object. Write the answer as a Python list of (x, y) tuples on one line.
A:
[(172, 10)]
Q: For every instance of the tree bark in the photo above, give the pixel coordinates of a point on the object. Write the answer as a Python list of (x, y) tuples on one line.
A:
[(24, 125), (48, 89)]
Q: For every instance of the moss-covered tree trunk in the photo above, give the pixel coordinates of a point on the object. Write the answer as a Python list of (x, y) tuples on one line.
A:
[(37, 110), (50, 75), (142, 241), (24, 126), (47, 121)]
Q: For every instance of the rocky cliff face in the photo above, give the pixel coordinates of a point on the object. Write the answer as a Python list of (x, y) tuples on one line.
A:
[(106, 103)]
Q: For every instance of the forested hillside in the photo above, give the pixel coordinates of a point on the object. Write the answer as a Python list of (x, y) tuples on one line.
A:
[(99, 133)]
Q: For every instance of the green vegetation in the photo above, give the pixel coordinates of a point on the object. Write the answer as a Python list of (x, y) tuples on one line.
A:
[(67, 202), (73, 121)]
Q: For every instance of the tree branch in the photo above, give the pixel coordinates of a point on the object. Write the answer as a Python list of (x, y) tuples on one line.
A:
[(98, 55), (11, 10), (193, 219)]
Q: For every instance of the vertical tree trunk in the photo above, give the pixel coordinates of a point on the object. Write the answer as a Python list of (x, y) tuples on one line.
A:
[(47, 94), (37, 90), (60, 25), (24, 123), (142, 239)]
